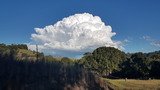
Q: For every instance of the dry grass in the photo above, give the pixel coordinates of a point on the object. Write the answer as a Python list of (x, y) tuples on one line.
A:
[(131, 84), (27, 52)]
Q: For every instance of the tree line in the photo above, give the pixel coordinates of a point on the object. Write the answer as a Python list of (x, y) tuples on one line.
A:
[(113, 63), (50, 73)]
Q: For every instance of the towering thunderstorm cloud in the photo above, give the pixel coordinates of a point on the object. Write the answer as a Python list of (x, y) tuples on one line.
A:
[(75, 34)]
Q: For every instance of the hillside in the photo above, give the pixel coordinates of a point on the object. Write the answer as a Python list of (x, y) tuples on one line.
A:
[(21, 70), (40, 75), (23, 54)]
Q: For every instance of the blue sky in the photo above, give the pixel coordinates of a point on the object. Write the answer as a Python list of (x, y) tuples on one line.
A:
[(131, 20)]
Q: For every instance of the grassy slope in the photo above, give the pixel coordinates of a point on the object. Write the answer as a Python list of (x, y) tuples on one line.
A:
[(28, 52), (121, 84), (23, 54)]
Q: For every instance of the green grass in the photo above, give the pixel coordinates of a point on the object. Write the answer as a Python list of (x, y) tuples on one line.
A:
[(131, 84)]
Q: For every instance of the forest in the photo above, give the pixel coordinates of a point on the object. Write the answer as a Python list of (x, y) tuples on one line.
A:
[(20, 69)]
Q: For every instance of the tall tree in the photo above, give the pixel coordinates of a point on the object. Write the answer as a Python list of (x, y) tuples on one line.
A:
[(104, 59)]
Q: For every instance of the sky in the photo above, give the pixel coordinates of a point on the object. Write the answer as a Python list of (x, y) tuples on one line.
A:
[(135, 22)]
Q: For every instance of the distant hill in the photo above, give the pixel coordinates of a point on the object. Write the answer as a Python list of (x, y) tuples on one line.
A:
[(19, 52)]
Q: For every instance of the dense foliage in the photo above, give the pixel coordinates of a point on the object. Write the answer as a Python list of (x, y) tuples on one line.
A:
[(137, 66), (14, 46), (104, 60), (117, 64)]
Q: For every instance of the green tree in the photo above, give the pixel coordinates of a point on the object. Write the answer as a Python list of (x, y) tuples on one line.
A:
[(104, 59), (155, 72), (137, 66)]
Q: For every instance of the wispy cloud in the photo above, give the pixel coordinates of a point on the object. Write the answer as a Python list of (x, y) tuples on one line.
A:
[(152, 41), (156, 43)]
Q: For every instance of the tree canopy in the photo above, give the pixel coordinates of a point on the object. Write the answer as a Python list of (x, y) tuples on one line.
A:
[(104, 59)]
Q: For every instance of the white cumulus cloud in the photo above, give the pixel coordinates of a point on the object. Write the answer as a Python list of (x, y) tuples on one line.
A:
[(75, 34)]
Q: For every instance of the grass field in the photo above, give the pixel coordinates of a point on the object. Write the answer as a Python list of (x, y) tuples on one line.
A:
[(131, 84)]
